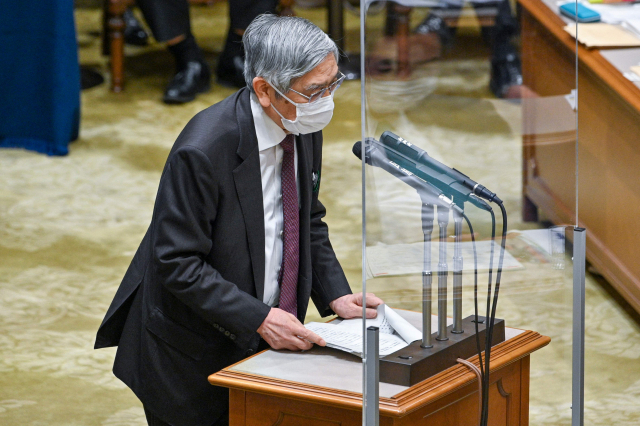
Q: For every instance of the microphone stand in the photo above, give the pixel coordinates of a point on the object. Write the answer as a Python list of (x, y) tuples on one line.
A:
[(427, 275), (443, 222), (457, 273)]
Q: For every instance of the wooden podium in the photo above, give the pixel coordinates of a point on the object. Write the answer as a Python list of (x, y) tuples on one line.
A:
[(324, 387)]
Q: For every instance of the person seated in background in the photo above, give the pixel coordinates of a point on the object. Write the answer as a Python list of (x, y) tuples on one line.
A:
[(170, 23), (432, 36), (237, 244), (506, 75)]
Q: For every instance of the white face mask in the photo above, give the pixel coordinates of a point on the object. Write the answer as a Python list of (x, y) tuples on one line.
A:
[(310, 117)]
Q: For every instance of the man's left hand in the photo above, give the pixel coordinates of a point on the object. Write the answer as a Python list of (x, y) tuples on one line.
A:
[(350, 305)]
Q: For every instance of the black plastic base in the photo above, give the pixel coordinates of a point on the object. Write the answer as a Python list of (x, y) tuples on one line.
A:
[(414, 364)]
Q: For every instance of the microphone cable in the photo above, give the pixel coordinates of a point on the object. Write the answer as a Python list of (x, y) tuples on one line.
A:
[(480, 372), (491, 318), (487, 345), (475, 292)]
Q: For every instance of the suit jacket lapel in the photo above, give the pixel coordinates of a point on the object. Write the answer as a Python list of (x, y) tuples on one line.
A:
[(248, 182)]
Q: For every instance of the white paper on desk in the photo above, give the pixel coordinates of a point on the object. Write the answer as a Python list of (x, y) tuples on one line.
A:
[(632, 25), (395, 332), (603, 35), (388, 321), (616, 13), (435, 3)]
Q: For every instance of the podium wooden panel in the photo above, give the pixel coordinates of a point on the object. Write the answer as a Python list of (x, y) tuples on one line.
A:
[(609, 152), (449, 398)]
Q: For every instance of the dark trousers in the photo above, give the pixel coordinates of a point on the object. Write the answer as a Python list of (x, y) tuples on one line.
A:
[(152, 420), (500, 35), (242, 12), (169, 19)]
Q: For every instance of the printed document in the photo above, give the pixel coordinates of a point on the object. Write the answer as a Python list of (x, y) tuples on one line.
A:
[(395, 332)]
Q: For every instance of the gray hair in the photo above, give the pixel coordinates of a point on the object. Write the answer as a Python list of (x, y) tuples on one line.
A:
[(281, 49)]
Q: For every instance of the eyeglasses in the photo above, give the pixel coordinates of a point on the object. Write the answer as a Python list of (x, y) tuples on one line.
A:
[(331, 88)]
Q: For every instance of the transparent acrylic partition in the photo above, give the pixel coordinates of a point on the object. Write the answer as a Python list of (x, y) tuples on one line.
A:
[(469, 200)]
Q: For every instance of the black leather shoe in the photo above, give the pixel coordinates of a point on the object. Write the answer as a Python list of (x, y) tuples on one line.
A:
[(505, 73), (185, 85), (134, 34)]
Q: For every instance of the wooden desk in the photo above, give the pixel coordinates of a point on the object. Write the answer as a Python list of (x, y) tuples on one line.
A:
[(262, 391), (609, 150)]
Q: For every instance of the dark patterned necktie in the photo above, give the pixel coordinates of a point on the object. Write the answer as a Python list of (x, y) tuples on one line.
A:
[(291, 234)]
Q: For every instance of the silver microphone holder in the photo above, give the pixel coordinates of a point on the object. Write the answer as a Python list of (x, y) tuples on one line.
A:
[(443, 222), (457, 273), (427, 275)]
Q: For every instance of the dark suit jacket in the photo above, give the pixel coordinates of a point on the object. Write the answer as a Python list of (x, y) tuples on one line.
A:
[(191, 301)]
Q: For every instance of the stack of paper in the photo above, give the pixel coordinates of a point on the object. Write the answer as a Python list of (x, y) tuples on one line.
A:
[(632, 25), (616, 13), (395, 332), (603, 35)]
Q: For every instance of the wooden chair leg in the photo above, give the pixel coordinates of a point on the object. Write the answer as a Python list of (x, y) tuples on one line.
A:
[(116, 25), (404, 67)]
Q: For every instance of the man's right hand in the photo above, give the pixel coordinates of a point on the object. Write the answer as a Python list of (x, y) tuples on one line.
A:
[(281, 330)]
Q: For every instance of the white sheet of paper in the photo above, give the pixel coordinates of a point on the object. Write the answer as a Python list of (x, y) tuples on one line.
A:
[(352, 342), (616, 13), (354, 325), (408, 332), (395, 332), (632, 25)]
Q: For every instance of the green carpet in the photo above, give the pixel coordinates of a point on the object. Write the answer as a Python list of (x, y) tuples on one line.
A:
[(69, 227)]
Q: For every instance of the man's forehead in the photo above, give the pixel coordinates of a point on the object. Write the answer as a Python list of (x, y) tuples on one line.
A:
[(322, 80), (321, 75)]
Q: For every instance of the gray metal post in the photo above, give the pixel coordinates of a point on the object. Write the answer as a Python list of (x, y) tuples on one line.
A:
[(577, 377), (427, 274), (372, 396), (457, 274), (443, 222)]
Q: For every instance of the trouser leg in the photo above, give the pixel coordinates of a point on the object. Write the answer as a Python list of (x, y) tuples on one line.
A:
[(231, 61), (500, 34), (170, 22), (167, 19), (242, 12), (506, 74)]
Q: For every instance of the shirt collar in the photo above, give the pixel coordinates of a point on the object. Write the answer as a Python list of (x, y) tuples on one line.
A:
[(269, 134)]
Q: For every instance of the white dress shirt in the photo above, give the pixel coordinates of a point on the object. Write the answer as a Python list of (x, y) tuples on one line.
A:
[(269, 136)]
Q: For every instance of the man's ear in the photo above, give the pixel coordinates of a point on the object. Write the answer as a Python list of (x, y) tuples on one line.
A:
[(261, 87)]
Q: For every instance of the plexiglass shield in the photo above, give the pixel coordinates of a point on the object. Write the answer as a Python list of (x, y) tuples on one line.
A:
[(469, 196)]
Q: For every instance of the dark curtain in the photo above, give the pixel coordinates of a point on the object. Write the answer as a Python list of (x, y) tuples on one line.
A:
[(39, 76)]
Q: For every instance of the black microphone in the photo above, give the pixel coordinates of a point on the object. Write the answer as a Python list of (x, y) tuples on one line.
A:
[(414, 153), (375, 155), (446, 184)]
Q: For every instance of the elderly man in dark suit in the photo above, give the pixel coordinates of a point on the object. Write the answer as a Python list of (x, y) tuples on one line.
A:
[(236, 245)]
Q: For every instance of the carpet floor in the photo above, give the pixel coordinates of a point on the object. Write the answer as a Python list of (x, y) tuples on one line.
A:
[(69, 227)]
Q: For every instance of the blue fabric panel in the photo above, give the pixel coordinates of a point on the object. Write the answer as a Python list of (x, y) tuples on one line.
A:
[(39, 74)]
